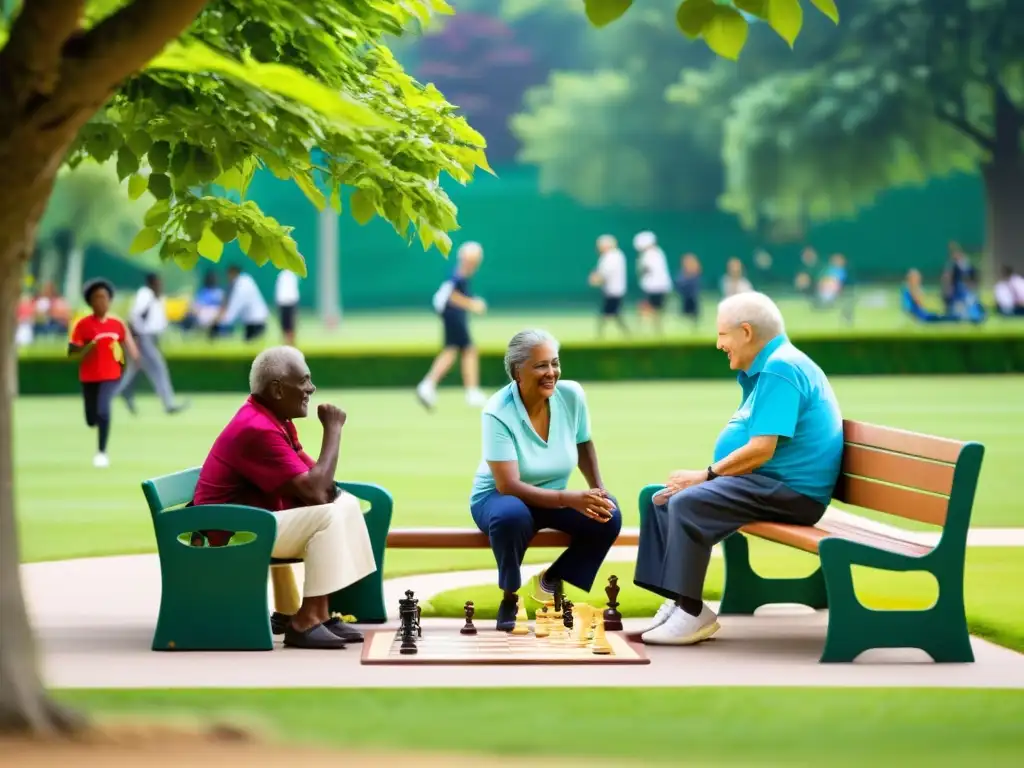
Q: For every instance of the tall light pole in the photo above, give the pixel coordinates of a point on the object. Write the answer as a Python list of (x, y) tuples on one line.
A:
[(328, 269)]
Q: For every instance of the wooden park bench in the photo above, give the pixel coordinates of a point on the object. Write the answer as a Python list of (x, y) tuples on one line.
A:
[(912, 476)]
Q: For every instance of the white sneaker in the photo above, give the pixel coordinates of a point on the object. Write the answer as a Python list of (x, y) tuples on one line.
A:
[(661, 616), (683, 629), (427, 394), (476, 398), (100, 460)]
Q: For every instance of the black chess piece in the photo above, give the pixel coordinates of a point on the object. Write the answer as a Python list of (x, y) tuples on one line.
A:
[(567, 619), (559, 598), (469, 628), (612, 617), (407, 612)]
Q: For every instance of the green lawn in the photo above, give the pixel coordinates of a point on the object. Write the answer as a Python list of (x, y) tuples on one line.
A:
[(691, 726), (878, 313), (642, 430), (993, 611)]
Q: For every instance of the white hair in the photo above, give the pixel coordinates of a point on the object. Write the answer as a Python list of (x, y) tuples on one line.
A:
[(470, 250), (520, 347), (271, 364), (644, 240), (607, 242), (755, 309)]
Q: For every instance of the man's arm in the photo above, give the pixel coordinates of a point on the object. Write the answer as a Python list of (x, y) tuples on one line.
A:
[(316, 485), (462, 301), (756, 453), (774, 414)]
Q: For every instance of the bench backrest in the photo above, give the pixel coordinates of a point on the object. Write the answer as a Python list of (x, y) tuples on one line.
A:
[(909, 475), (170, 490)]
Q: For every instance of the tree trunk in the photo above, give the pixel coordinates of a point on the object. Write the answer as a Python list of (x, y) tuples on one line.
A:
[(1004, 199)]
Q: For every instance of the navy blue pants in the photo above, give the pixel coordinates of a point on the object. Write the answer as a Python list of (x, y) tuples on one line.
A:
[(676, 538), (511, 525)]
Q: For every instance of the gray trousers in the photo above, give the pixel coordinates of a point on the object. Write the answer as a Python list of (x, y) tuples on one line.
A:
[(152, 363), (676, 538)]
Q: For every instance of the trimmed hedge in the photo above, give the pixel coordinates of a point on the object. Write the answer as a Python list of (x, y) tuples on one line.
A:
[(844, 356)]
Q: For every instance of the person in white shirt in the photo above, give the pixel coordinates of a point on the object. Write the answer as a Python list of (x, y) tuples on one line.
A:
[(286, 296), (147, 320), (610, 275), (244, 303), (1010, 294), (734, 280), (655, 278)]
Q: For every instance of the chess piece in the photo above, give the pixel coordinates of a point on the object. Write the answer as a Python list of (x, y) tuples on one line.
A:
[(612, 617), (600, 646), (468, 628), (408, 612), (543, 625), (522, 626), (567, 617)]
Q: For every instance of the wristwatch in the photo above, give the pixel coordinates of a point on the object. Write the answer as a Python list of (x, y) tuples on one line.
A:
[(711, 474)]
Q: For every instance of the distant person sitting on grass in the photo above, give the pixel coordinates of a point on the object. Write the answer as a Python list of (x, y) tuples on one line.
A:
[(245, 303), (451, 302), (1009, 294), (776, 461), (258, 461), (536, 431), (96, 341), (912, 300)]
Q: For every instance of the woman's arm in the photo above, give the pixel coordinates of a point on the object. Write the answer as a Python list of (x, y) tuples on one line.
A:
[(588, 464), (507, 482)]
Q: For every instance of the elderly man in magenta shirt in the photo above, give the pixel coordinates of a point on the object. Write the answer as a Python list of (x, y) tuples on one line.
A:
[(777, 460), (258, 461)]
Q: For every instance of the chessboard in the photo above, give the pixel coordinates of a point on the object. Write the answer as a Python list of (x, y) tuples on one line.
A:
[(447, 646)]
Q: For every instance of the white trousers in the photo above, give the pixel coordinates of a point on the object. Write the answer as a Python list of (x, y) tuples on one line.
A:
[(331, 539)]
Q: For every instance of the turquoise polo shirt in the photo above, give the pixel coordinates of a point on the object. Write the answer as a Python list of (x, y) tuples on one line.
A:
[(786, 394), (508, 435)]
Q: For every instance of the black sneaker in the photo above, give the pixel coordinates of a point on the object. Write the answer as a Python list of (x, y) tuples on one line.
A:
[(346, 632), (278, 622), (317, 637), (507, 615)]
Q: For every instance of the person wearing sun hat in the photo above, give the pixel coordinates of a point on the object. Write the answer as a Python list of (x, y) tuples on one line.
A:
[(96, 340)]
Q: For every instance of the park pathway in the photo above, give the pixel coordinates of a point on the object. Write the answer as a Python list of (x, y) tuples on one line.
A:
[(95, 617)]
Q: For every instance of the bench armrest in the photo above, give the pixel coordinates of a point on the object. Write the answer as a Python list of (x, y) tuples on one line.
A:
[(223, 517), (369, 492)]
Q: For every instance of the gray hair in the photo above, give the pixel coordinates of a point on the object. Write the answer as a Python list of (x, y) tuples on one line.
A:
[(271, 364), (470, 250), (755, 309), (520, 347)]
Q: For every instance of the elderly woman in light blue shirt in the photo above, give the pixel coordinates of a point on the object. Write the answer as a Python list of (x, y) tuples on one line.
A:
[(536, 430)]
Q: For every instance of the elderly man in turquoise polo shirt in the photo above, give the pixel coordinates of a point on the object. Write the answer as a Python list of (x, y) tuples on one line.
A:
[(777, 460)]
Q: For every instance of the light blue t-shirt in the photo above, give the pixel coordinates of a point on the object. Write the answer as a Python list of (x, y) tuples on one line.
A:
[(786, 394), (508, 435)]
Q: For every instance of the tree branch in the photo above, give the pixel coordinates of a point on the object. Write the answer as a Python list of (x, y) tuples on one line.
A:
[(961, 123), (30, 62), (96, 61)]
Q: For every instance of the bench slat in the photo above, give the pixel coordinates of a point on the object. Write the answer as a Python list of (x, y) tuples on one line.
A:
[(901, 441), (808, 538), (468, 538), (898, 469), (902, 502)]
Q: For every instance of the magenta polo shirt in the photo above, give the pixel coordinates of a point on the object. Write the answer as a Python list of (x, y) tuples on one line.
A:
[(250, 462)]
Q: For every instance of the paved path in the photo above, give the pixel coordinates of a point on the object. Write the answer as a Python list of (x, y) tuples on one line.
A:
[(95, 620)]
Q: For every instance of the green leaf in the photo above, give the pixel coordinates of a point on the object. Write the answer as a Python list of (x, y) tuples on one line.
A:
[(195, 225), (160, 186), (225, 230), (309, 189), (137, 186), (827, 7), (726, 33), (159, 156), (603, 12), (145, 240), (139, 142), (158, 214), (758, 8), (787, 18), (186, 259), (259, 250), (210, 246), (693, 16), (244, 241), (336, 199), (127, 163), (363, 206)]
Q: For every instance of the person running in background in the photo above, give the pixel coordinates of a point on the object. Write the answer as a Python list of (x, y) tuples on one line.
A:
[(655, 279), (147, 321), (611, 276), (96, 340), (245, 303), (688, 287), (734, 281), (1009, 293), (452, 301), (286, 296)]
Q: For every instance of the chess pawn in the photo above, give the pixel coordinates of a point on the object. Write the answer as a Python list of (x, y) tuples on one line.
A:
[(522, 626), (600, 646), (469, 628)]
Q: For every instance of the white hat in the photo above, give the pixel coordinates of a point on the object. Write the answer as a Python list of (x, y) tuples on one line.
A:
[(644, 240)]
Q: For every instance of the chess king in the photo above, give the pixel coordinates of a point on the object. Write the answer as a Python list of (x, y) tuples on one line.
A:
[(536, 430)]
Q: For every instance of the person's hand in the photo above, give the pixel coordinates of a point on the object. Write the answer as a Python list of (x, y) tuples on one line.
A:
[(678, 481), (593, 503), (331, 415), (479, 306)]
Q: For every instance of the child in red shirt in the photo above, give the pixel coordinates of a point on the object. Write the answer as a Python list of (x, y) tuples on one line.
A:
[(96, 339)]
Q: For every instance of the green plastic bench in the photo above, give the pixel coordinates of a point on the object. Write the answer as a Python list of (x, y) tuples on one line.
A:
[(215, 598), (908, 475)]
